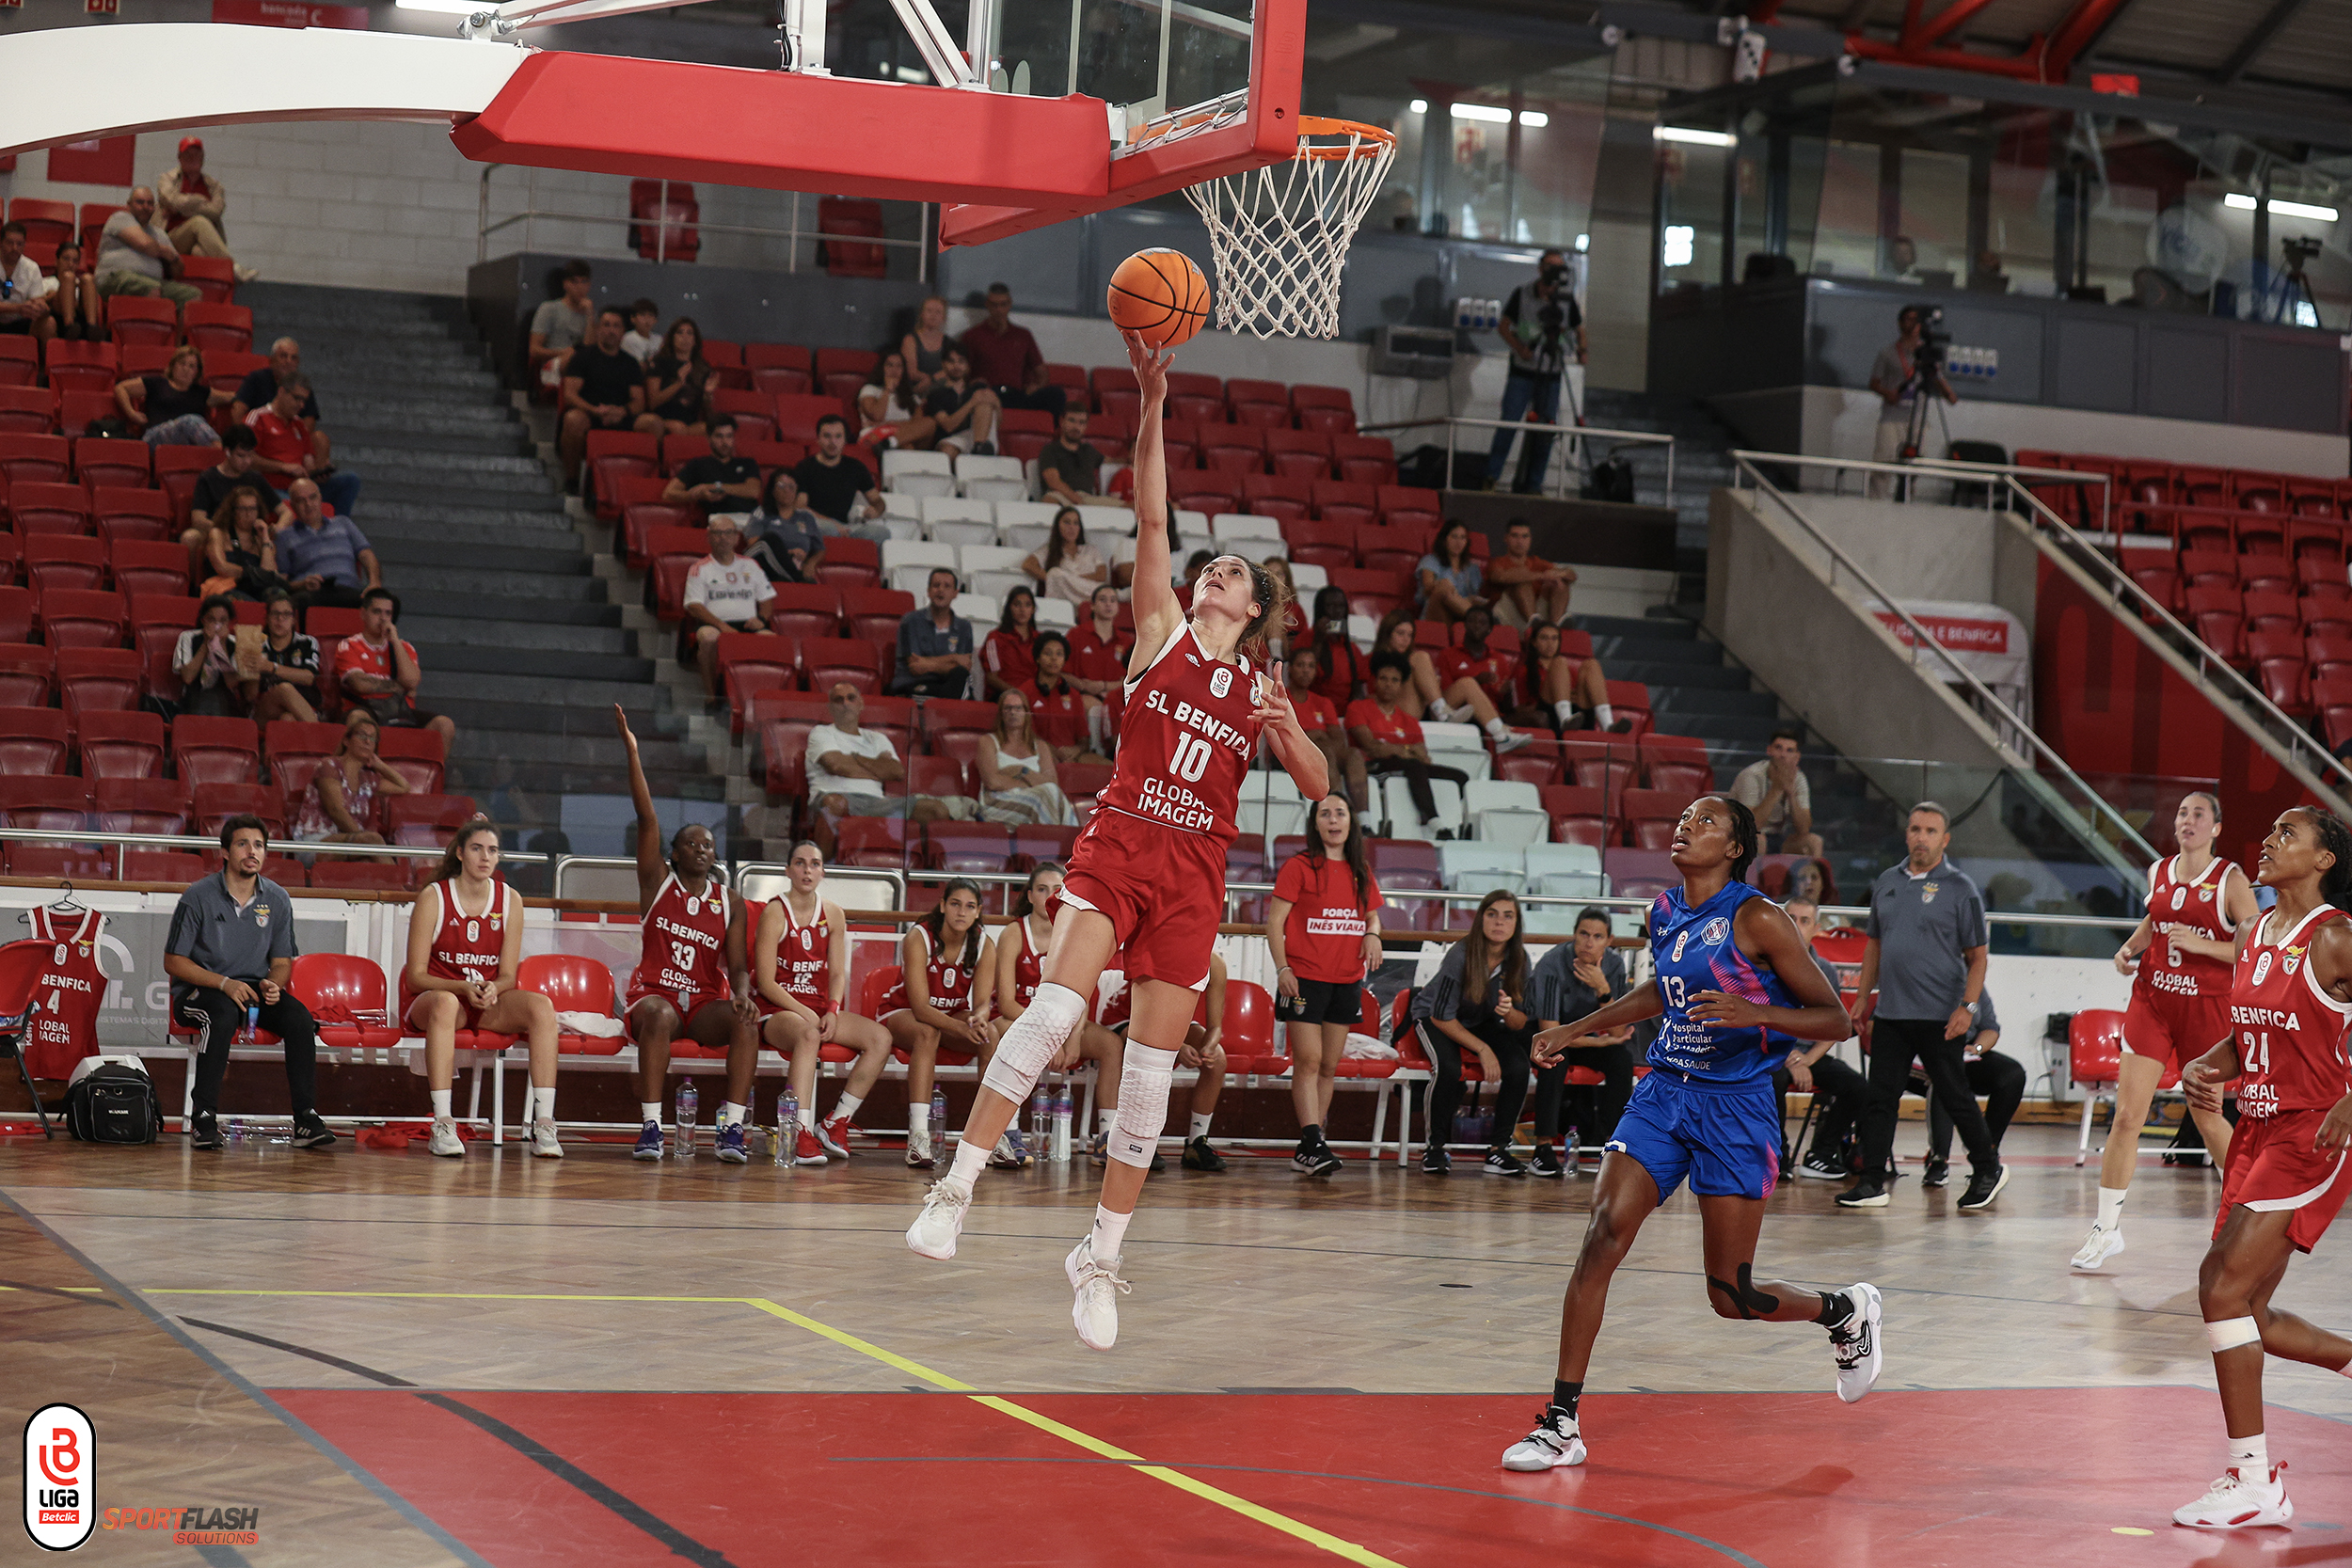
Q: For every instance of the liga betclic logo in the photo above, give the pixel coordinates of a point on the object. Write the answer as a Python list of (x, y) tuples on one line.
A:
[(60, 1478)]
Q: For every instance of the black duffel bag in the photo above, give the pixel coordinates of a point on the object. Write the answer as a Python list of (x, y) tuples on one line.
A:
[(112, 1100)]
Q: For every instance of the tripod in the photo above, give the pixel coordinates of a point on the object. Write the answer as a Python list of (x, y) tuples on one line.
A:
[(2284, 291)]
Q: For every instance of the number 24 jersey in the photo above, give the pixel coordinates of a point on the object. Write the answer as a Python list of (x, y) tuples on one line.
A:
[(1186, 740)]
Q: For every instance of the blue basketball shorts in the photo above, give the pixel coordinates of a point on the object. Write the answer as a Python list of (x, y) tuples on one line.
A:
[(1725, 1140)]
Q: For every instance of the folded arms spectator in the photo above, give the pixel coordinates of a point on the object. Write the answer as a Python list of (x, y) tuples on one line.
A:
[(724, 593), (720, 482), (962, 411), (848, 765), (1006, 358), (934, 645), (326, 560), (603, 389), (176, 408), (136, 256), (832, 484), (192, 202)]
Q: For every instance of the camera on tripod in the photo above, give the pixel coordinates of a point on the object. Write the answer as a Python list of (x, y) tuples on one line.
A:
[(1553, 316), (2298, 249), (1935, 342)]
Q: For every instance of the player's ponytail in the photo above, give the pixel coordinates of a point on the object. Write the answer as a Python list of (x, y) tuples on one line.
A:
[(1743, 837), (1274, 596)]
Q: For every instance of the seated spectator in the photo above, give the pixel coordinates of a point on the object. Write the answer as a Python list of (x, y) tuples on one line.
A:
[(724, 593), (207, 505), (288, 679), (288, 442), (176, 408), (1060, 714), (1447, 582), (340, 805), (1399, 634), (205, 660), (1006, 358), (1469, 682), (1810, 878), (934, 645), (1066, 566), (832, 484), (23, 296), (1776, 790), (1840, 1094), (1069, 470), (781, 535), (1016, 770), (1099, 646), (1320, 718), (643, 338), (1011, 657), (603, 389), (1994, 1076), (325, 560), (1576, 978), (378, 671), (1345, 670), (192, 202), (136, 257), (678, 379), (241, 553), (1475, 1007), (231, 949), (1559, 691), (1389, 737), (73, 295), (925, 350), (890, 412), (962, 411), (848, 765), (721, 481), (558, 326), (1527, 588)]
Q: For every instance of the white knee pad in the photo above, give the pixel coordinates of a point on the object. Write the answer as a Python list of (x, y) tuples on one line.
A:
[(2230, 1333), (1028, 1047), (1143, 1086)]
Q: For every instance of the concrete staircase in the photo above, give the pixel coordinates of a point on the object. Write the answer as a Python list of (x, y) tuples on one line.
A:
[(1702, 464)]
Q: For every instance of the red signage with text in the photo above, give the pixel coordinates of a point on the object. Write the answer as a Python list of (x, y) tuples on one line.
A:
[(289, 13)]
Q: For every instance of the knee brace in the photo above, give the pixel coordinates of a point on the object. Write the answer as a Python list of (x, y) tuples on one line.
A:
[(1143, 1086), (2230, 1333), (1749, 1301), (1028, 1047)]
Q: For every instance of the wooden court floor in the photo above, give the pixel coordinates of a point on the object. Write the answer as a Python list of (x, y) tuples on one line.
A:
[(403, 1361)]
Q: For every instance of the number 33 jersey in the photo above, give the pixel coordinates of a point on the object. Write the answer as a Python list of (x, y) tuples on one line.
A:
[(1185, 740), (1696, 950)]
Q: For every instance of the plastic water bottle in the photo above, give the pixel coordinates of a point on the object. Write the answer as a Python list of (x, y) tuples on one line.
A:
[(236, 1130), (1040, 1122), (688, 1104), (1062, 1125), (939, 1124), (788, 1127), (252, 1026)]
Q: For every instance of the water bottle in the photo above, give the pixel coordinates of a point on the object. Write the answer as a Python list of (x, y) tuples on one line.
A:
[(1062, 1125), (236, 1130), (1040, 1122), (252, 1026), (939, 1124), (788, 1127), (688, 1104)]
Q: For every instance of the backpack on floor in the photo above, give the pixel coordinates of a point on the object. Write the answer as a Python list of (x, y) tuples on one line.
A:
[(1610, 480), (110, 1100)]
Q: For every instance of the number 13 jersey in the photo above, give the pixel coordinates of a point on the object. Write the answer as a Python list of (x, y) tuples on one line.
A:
[(1185, 740), (1696, 950)]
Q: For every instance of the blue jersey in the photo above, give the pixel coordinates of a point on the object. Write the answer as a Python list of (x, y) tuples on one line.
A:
[(1693, 951)]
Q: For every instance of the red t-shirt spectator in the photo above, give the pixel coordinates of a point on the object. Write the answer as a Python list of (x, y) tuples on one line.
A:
[(1093, 659), (1324, 937), (357, 657), (1009, 657), (1492, 673), (1315, 712), (1399, 728), (1527, 680), (1057, 717), (1001, 358), (1344, 665), (279, 440)]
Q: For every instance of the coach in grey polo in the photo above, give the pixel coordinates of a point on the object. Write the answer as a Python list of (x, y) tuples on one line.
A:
[(1926, 958)]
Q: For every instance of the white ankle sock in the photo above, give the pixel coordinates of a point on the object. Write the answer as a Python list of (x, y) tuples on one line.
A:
[(846, 1107), (729, 1112), (1496, 728), (971, 1159), (2111, 1205), (1564, 711), (1110, 1234), (1200, 1123), (649, 1110), (919, 1117), (1603, 717), (1438, 711), (441, 1102), (2250, 1457), (543, 1105)]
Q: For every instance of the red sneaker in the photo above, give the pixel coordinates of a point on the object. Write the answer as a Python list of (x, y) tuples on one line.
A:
[(833, 1137), (808, 1153)]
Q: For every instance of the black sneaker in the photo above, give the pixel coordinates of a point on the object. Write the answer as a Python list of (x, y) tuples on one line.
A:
[(1938, 1174), (1823, 1168), (1983, 1187), (1200, 1156), (204, 1130), (309, 1132), (983, 448), (1435, 1161), (1548, 1161), (1159, 1163), (1868, 1193), (1500, 1162)]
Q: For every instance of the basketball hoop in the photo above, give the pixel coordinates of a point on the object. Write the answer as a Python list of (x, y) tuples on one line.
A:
[(1280, 234)]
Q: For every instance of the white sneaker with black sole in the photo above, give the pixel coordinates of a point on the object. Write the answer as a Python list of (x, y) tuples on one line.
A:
[(1553, 1444), (2103, 1243), (1858, 1344), (2240, 1502), (1098, 1288)]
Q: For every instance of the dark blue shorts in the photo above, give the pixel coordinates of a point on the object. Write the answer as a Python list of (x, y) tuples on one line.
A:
[(1725, 1141)]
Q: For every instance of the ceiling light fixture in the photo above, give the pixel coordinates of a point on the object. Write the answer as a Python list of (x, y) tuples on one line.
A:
[(1695, 138)]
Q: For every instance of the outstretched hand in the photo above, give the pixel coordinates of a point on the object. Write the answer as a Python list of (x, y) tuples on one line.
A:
[(620, 723), (1273, 708), (1150, 367)]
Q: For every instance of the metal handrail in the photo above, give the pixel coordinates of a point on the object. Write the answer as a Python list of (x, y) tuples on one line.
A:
[(1956, 467), (1566, 431), (2186, 642), (1746, 462)]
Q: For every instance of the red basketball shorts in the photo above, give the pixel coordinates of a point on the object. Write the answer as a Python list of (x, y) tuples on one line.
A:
[(2174, 1031), (2273, 1166), (687, 1005), (1163, 890)]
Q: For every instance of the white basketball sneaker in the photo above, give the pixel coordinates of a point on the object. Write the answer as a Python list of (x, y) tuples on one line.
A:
[(1098, 1286), (2238, 1503), (544, 1142), (1553, 1443), (2104, 1243), (934, 1231), (445, 1138), (1857, 1345)]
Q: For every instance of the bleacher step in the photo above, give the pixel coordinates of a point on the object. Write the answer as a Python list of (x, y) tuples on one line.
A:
[(550, 663), (378, 488), (482, 632), (393, 546), (484, 587)]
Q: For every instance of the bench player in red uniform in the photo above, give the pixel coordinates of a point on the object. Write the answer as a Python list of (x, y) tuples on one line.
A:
[(940, 1003), (1148, 873), (1017, 961), (2291, 1157), (693, 979), (1473, 681), (465, 941), (801, 971), (2180, 960)]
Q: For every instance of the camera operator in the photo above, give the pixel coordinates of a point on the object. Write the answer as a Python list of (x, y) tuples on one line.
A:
[(1538, 320), (1895, 376)]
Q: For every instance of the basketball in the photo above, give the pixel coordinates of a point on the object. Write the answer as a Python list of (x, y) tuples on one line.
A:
[(1159, 294)]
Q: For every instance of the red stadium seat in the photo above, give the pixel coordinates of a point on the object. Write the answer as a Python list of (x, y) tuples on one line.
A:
[(98, 461), (293, 750), (1196, 397), (36, 460), (216, 803), (12, 559), (1023, 433), (348, 996), (1262, 403), (176, 868), (1390, 549), (1299, 454), (807, 610), (1406, 506), (209, 750), (213, 277), (1346, 503), (1284, 500), (16, 614), (969, 846), (1579, 814), (1651, 816), (1233, 449), (673, 552), (614, 454), (83, 620), (143, 566), (1321, 543), (93, 680), (48, 804), (121, 745), (29, 672), (420, 756), (20, 362), (872, 614), (851, 563), (751, 663), (1631, 699), (942, 776), (150, 805), (1677, 764), (1372, 594), (1180, 441), (130, 319), (52, 511), (777, 367), (80, 863), (755, 413), (1116, 390), (33, 741), (1364, 459), (1327, 410), (66, 560), (141, 517), (426, 819), (216, 328), (797, 414), (27, 411), (575, 983), (75, 366), (176, 468), (677, 450), (1203, 490), (49, 223), (881, 842)]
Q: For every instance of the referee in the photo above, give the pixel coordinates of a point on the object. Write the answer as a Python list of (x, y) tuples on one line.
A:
[(1922, 975)]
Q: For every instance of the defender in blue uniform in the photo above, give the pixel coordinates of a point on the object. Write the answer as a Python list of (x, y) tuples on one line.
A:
[(1731, 974)]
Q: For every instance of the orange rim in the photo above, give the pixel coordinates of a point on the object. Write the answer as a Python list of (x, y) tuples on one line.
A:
[(1369, 141)]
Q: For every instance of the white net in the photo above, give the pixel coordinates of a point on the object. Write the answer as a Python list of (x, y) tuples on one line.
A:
[(1279, 235)]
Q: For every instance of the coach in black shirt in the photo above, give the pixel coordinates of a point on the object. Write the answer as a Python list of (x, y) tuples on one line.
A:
[(723, 482)]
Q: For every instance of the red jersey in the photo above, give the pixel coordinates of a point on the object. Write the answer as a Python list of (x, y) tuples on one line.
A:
[(1324, 937), (1399, 728), (466, 946), (2197, 903), (1185, 740), (1491, 669), (1093, 659), (1527, 680), (69, 992), (280, 441), (685, 958), (948, 981), (1028, 970), (804, 957), (2290, 1032), (1345, 668), (1010, 659), (1059, 720), (356, 656), (1315, 711)]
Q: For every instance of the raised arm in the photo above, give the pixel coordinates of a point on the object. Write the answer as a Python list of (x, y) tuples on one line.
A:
[(651, 864), (1765, 932), (1157, 613)]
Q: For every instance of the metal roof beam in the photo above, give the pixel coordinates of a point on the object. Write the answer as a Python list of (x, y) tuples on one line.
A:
[(2257, 39)]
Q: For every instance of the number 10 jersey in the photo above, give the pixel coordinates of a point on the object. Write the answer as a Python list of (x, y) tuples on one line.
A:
[(1185, 740)]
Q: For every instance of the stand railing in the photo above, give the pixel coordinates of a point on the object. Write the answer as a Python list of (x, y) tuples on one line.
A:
[(1567, 434)]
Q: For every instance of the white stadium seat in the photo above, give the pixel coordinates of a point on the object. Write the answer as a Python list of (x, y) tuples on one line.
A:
[(982, 613), (917, 473), (1564, 870), (1471, 866), (1025, 514), (1106, 520), (1227, 527), (1309, 580), (1057, 613), (991, 479), (962, 532), (989, 557), (993, 586), (909, 563), (955, 508), (1506, 812), (1458, 746), (1029, 538), (1397, 804)]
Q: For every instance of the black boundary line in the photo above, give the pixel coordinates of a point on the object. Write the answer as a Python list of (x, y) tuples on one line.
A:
[(386, 1379), (89, 1297), (245, 1385), (679, 1543)]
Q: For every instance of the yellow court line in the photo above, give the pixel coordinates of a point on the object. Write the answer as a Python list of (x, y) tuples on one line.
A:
[(1337, 1546)]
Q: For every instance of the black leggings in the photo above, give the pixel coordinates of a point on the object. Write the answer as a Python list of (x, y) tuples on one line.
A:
[(1510, 1048), (1417, 777), (217, 1020), (2002, 1082), (1593, 1107)]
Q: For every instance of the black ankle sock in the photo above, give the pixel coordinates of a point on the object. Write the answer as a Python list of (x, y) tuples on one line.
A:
[(1311, 1136), (1566, 1394), (1837, 1311)]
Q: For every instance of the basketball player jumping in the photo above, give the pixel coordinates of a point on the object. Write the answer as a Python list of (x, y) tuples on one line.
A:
[(1148, 873), (1732, 975)]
